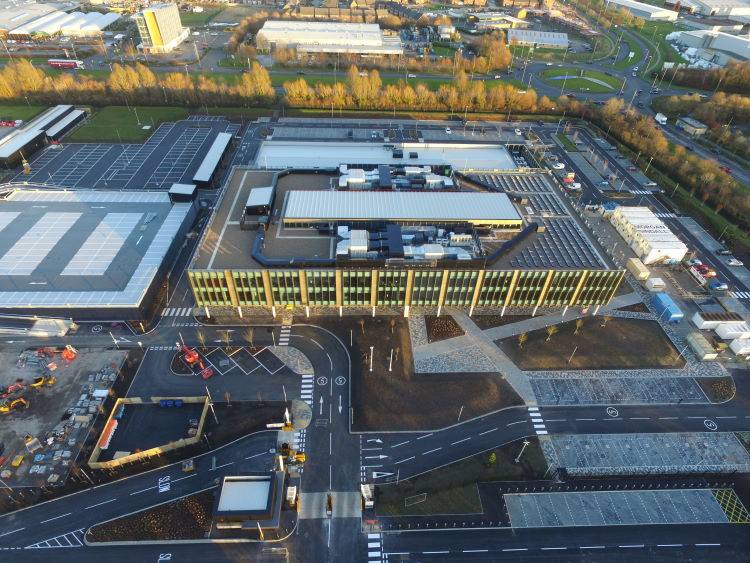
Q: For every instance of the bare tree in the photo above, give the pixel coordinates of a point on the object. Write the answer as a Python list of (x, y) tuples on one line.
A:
[(362, 325), (522, 339), (228, 398), (551, 331), (392, 322), (605, 320)]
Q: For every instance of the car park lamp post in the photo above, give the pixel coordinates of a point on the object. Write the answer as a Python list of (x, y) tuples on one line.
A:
[(525, 443)]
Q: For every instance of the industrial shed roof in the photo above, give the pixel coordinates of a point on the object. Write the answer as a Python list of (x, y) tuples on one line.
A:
[(397, 206)]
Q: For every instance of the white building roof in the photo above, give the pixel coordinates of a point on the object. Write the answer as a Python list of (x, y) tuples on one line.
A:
[(64, 122), (260, 196), (330, 36), (212, 158), (394, 206), (643, 7), (532, 36)]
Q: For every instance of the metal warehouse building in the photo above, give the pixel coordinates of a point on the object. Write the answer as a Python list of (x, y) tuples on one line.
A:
[(304, 208), (647, 235), (328, 37), (538, 39), (645, 11)]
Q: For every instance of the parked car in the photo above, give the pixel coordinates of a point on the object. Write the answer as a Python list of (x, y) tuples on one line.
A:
[(694, 262), (558, 165), (723, 251), (518, 132), (735, 262), (448, 131), (716, 285), (411, 75)]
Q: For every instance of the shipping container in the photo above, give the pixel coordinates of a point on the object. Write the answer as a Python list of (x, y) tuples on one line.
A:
[(666, 308), (636, 267), (655, 284)]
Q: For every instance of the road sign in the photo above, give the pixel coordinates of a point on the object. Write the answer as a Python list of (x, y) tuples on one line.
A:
[(710, 424), (322, 381), (613, 412), (340, 380)]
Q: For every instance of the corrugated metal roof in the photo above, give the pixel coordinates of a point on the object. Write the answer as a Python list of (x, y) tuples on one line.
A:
[(213, 156), (423, 206), (260, 196), (64, 122)]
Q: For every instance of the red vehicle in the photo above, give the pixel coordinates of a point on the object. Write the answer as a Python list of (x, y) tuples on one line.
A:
[(10, 122), (65, 63)]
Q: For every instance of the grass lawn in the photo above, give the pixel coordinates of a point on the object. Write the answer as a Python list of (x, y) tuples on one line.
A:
[(400, 399), (633, 47), (581, 80), (118, 123), (24, 112), (569, 145), (453, 489), (192, 19), (278, 79), (620, 344), (443, 50)]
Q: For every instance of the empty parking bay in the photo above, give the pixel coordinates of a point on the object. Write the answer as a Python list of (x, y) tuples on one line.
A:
[(614, 508)]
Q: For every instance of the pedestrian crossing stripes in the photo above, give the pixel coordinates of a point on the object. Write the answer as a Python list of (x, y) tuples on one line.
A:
[(537, 420), (666, 215), (740, 294), (71, 539), (308, 383), (177, 312), (284, 335), (640, 192), (374, 547), (162, 348)]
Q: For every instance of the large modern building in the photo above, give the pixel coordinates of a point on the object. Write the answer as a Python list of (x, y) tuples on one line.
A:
[(716, 44), (722, 8), (397, 234), (647, 235), (23, 20), (328, 37), (538, 39), (160, 28), (642, 10), (88, 255)]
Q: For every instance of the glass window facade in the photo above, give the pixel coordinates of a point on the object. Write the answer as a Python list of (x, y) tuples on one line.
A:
[(321, 288)]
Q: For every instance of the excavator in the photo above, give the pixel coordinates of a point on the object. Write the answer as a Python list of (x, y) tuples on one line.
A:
[(7, 406), (43, 381), (193, 359)]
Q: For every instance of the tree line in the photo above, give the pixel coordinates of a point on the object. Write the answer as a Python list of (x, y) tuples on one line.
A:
[(136, 84), (735, 77), (701, 177), (367, 91)]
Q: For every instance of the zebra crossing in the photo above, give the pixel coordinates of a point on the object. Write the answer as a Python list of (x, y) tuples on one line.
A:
[(162, 348), (71, 539), (374, 547), (740, 294), (177, 312), (641, 192), (307, 388), (286, 332), (537, 421), (666, 215)]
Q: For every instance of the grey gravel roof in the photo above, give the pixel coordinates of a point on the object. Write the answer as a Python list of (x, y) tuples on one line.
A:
[(423, 206)]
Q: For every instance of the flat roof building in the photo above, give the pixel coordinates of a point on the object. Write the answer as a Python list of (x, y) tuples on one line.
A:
[(24, 141), (160, 28), (724, 8), (646, 11), (691, 126), (86, 254), (538, 39), (328, 37)]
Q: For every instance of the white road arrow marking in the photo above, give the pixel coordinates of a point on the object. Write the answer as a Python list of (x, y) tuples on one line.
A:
[(379, 474), (339, 404), (321, 406), (376, 440), (381, 456)]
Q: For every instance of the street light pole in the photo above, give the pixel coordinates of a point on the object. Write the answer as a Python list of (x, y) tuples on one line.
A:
[(371, 350), (525, 443)]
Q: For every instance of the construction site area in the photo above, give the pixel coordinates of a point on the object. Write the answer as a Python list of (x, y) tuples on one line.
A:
[(49, 401)]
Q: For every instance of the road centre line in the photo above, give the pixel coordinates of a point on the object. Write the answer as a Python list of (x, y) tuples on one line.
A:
[(425, 436), (587, 419), (700, 417), (626, 546), (142, 490), (516, 549), (487, 431), (667, 418), (726, 417), (553, 548), (434, 552), (475, 550), (556, 420), (255, 455), (640, 418), (100, 503), (431, 451), (462, 440), (707, 544), (185, 477), (516, 422), (403, 460), (56, 517), (400, 444), (592, 547), (669, 545)]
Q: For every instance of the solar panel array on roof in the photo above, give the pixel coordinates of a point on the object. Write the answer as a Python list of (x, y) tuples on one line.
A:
[(399, 206)]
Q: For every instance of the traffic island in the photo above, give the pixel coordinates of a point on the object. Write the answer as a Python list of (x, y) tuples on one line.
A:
[(717, 389), (599, 343), (392, 397)]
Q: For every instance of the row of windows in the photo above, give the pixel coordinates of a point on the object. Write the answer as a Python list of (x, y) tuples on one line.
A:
[(526, 288)]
